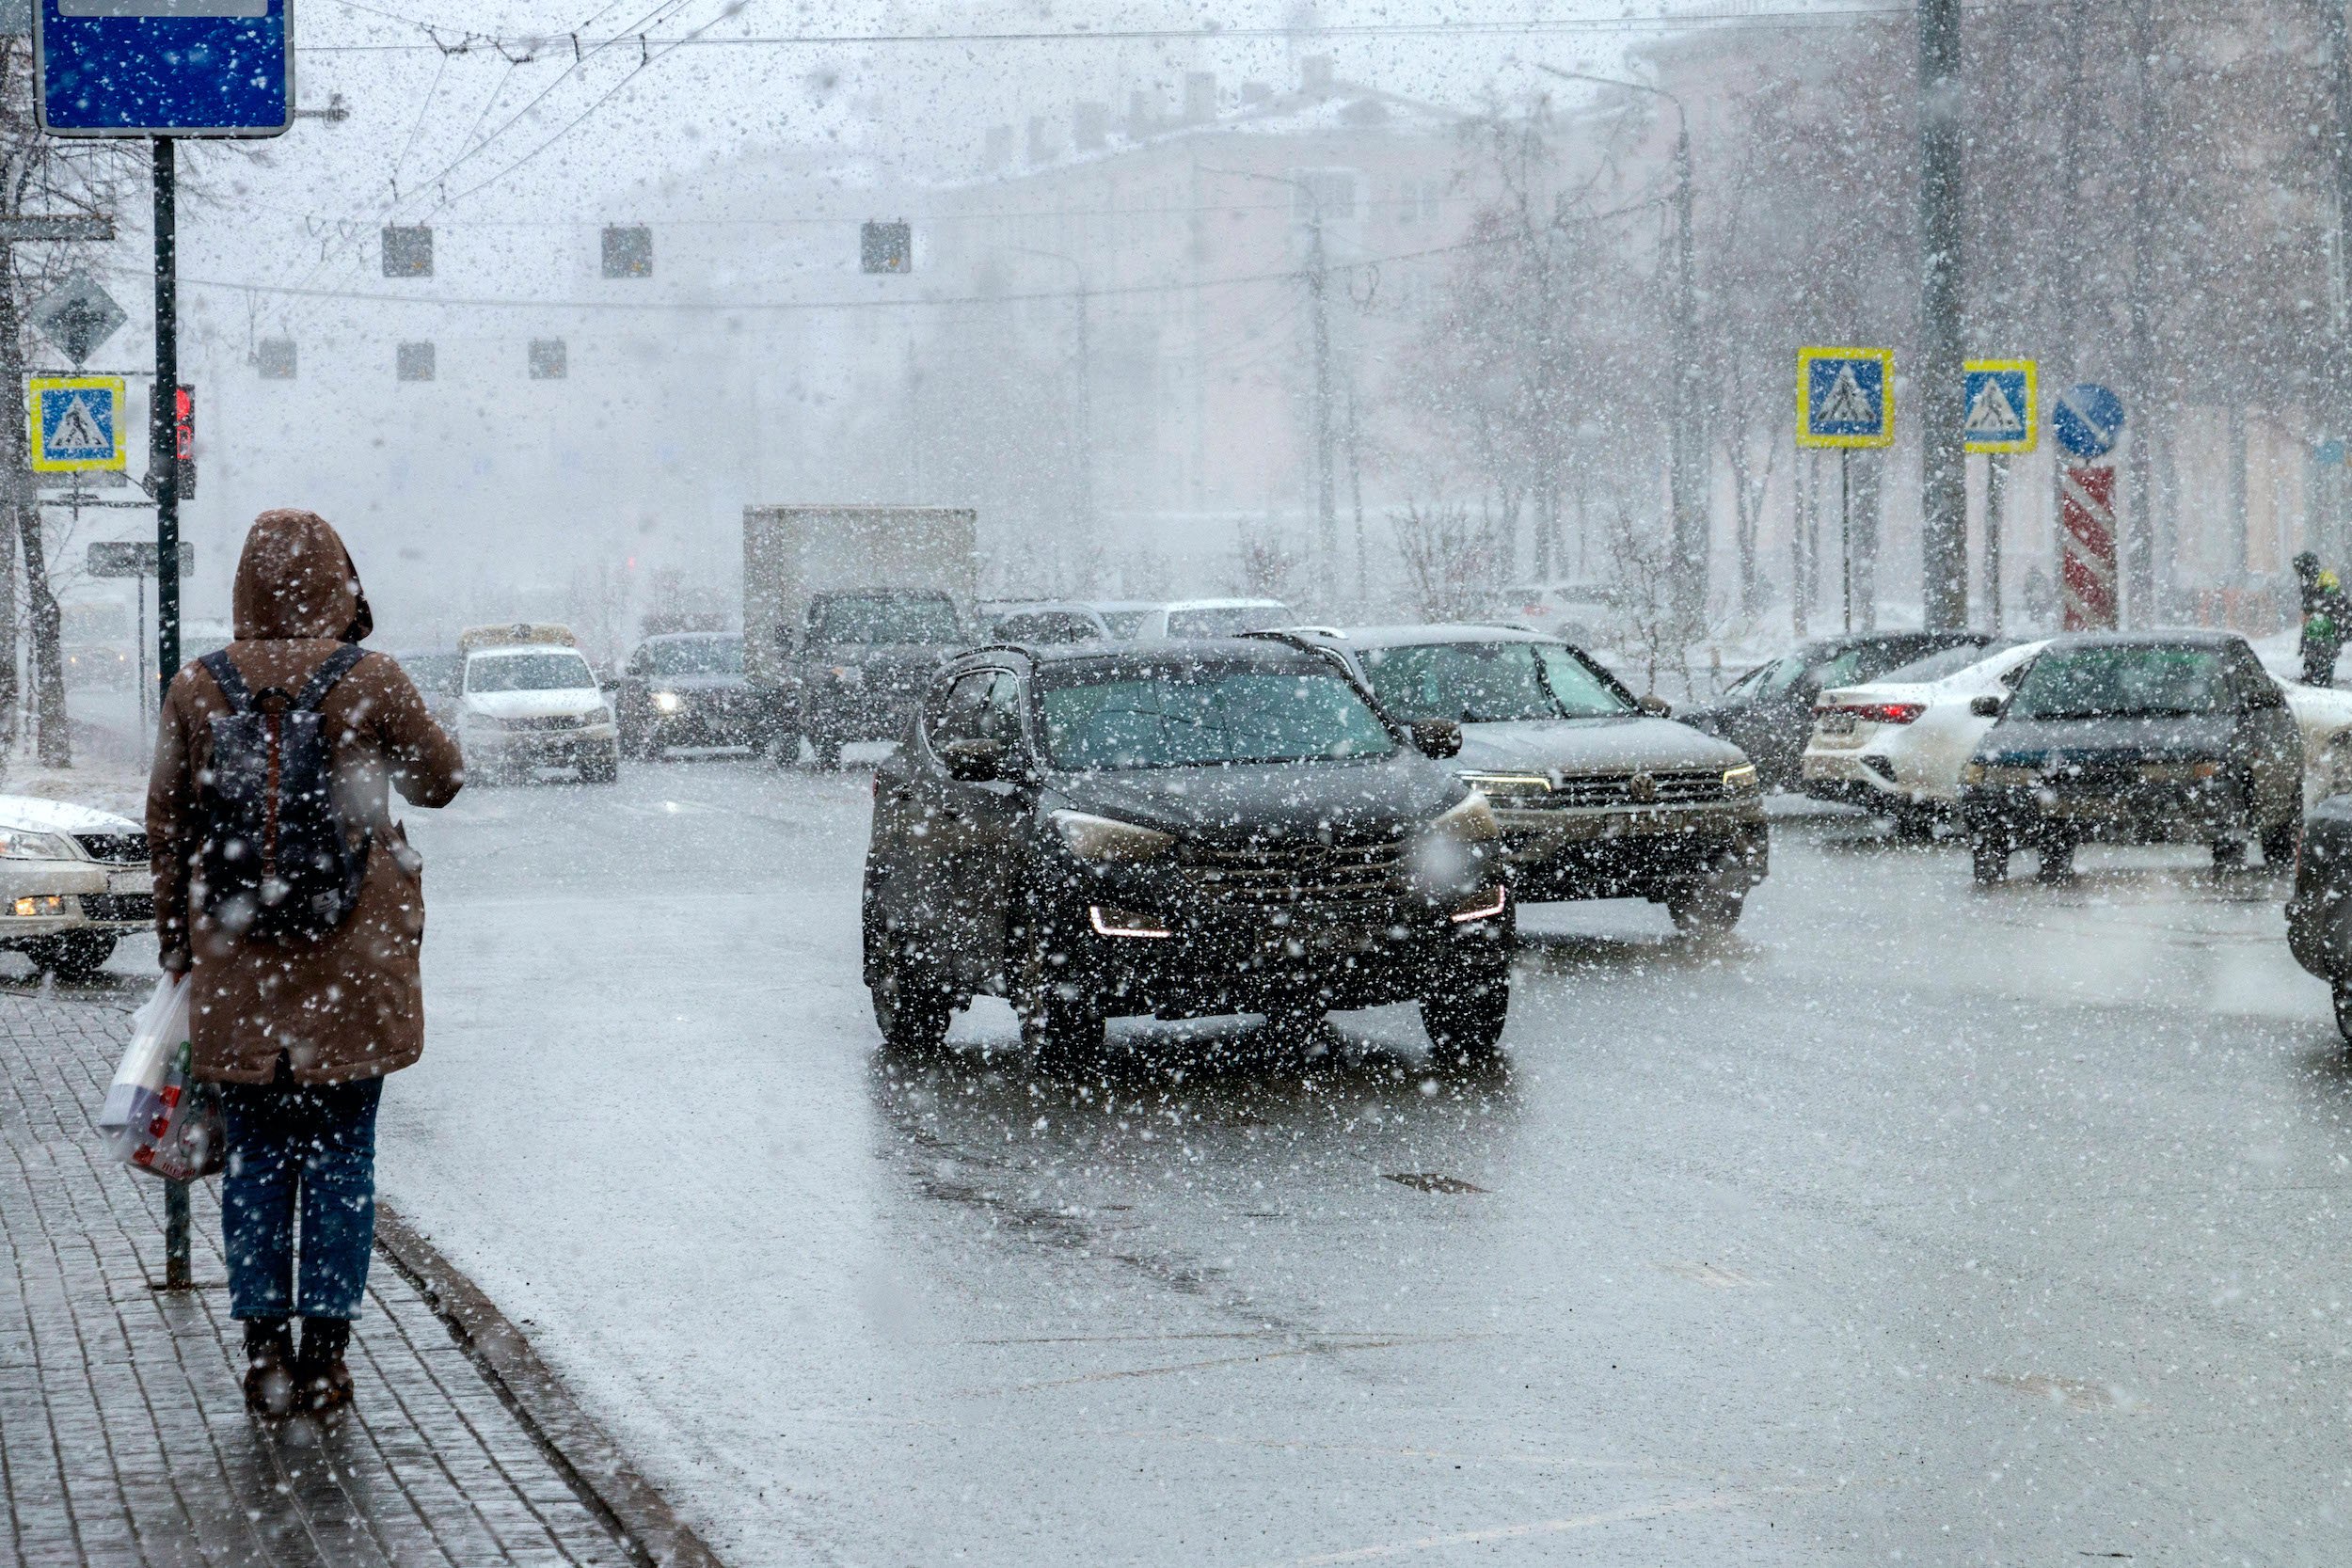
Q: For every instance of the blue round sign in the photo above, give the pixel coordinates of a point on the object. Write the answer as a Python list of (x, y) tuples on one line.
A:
[(2088, 420)]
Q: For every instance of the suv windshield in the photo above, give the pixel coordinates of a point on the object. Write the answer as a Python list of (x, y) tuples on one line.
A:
[(553, 671), (2089, 683), (882, 618), (698, 656), (1190, 717), (1488, 682)]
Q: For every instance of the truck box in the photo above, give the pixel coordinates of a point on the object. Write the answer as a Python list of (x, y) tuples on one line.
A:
[(790, 552)]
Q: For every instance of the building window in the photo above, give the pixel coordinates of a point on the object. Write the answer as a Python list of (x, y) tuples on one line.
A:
[(1332, 190), (275, 359), (416, 362), (628, 250), (548, 361), (407, 251)]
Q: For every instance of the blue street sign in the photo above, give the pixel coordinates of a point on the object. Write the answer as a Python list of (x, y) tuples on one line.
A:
[(76, 423), (1996, 403), (2088, 420), (1845, 397), (164, 68)]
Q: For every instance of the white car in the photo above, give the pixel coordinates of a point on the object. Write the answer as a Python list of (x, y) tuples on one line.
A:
[(73, 882), (1896, 745), (1184, 618), (534, 705), (1579, 613)]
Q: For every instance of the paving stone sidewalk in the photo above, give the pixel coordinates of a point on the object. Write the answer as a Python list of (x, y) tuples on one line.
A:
[(123, 1434)]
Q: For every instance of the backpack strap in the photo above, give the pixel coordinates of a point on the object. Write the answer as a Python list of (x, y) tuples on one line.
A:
[(323, 680), (232, 684)]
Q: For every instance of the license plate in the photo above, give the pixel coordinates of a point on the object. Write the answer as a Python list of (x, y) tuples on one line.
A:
[(130, 881), (1836, 723)]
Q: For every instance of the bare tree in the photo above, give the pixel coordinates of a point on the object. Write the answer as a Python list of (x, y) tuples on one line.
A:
[(1449, 556)]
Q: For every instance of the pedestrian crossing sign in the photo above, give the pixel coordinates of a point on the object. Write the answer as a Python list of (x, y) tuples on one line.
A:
[(1845, 397), (77, 422), (2001, 411)]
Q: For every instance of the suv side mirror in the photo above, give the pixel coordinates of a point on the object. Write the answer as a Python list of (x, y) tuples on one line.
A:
[(1436, 738), (1657, 706), (2265, 694), (1985, 707), (974, 761)]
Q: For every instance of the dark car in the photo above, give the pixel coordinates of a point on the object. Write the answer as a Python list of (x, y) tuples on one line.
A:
[(1768, 712), (1049, 623), (1184, 829), (2134, 738), (1599, 795), (860, 662), (2319, 911), (686, 688)]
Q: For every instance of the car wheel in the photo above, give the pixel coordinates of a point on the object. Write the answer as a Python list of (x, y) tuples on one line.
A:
[(75, 956), (1060, 1022), (2057, 857), (2343, 1009), (2279, 843), (1987, 859), (788, 748), (602, 765), (1465, 1015), (1914, 827), (1706, 909), (911, 1009), (828, 749)]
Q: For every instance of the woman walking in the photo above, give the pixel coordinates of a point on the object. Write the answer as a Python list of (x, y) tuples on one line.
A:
[(305, 989)]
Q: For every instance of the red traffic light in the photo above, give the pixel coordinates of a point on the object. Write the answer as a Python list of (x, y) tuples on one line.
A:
[(184, 424)]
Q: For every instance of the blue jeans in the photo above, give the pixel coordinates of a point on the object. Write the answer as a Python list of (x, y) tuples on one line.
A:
[(285, 1139)]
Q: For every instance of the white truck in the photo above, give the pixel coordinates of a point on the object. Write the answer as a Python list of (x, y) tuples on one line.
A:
[(846, 609)]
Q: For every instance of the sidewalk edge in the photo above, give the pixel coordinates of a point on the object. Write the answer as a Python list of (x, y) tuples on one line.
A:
[(580, 1448)]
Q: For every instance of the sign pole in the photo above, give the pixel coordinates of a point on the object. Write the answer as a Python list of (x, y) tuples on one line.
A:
[(163, 468), (1844, 528), (1995, 485)]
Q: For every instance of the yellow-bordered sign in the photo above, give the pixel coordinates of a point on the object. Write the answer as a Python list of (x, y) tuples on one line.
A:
[(1845, 397), (2002, 404), (77, 422)]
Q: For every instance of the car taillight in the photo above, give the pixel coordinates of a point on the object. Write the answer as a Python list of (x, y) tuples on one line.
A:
[(1880, 713)]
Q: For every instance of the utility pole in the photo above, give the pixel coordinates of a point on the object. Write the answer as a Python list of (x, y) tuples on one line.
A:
[(163, 469), (1944, 498), (1326, 518), (2139, 606), (1687, 442)]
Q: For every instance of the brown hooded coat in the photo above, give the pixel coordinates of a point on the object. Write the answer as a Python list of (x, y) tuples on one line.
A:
[(349, 1005)]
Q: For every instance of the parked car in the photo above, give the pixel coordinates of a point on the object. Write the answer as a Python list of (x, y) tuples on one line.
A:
[(1049, 623), (1189, 829), (1598, 794), (1896, 745), (73, 882), (529, 700), (1768, 712), (1124, 616), (686, 688), (1184, 618), (2319, 911), (2135, 737), (859, 664), (1583, 614)]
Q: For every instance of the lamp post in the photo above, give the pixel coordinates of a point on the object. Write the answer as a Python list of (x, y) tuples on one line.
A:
[(1687, 477), (1084, 505), (1327, 513)]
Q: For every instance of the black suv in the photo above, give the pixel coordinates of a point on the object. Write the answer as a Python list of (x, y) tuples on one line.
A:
[(1181, 829), (862, 659)]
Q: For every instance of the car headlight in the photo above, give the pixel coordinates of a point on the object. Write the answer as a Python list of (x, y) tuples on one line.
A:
[(1506, 787), (1739, 780), (1106, 839), (848, 674), (667, 702), (21, 844), (1471, 822)]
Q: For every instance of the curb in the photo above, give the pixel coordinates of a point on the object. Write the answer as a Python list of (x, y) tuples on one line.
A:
[(580, 1449)]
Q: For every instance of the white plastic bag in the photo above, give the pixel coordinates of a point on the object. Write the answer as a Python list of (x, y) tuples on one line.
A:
[(156, 1116)]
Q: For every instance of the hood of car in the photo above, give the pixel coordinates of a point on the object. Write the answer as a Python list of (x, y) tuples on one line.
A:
[(534, 705), (1271, 801), (1631, 743), (35, 815), (2119, 738)]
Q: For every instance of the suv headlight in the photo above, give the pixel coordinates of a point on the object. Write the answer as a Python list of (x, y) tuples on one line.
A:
[(1739, 780), (667, 702), (19, 844), (1506, 787), (1106, 839)]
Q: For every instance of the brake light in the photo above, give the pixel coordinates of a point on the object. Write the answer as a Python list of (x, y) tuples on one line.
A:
[(1880, 713)]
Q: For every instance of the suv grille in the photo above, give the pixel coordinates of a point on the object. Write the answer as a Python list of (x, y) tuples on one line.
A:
[(1361, 874), (1673, 786), (114, 849), (118, 906), (552, 721)]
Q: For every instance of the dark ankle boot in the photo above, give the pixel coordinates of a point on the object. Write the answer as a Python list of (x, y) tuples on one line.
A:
[(322, 1381), (269, 1356)]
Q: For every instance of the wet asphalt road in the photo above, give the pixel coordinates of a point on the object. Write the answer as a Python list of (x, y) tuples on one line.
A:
[(1915, 1224)]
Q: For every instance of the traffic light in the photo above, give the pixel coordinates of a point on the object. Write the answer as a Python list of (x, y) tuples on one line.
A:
[(886, 248), (183, 441)]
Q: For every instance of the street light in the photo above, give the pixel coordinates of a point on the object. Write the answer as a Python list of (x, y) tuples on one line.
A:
[(1686, 478), (1085, 506), (1326, 516)]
